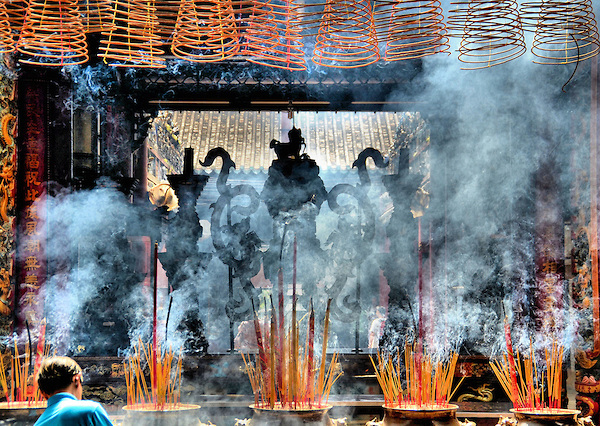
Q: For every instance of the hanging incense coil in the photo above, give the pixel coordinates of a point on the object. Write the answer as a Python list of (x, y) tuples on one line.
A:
[(53, 34), (7, 41), (16, 13), (96, 15), (346, 37), (16, 18), (457, 18), (205, 32), (272, 37), (416, 30), (309, 17), (242, 10), (167, 14), (492, 33), (564, 31), (132, 40), (382, 18)]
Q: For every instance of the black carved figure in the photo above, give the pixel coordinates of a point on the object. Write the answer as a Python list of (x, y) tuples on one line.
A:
[(236, 245), (290, 150), (293, 194)]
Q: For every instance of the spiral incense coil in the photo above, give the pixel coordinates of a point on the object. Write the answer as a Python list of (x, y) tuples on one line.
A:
[(346, 37), (96, 15), (242, 10), (492, 34), (132, 40), (309, 17), (7, 41), (272, 37), (417, 29), (16, 16), (564, 31), (457, 18), (167, 14), (205, 32), (382, 18), (53, 34)]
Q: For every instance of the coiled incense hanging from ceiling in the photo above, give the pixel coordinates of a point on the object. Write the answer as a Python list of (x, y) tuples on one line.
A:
[(346, 37), (96, 15), (7, 41), (416, 29), (564, 31), (167, 14), (273, 35), (52, 34), (491, 32), (205, 32), (132, 40)]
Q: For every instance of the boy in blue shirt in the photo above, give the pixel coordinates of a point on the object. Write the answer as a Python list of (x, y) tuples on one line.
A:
[(60, 382)]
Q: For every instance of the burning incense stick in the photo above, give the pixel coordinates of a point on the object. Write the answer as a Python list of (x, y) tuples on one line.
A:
[(428, 384), (18, 379), (292, 365), (163, 391), (155, 315), (535, 389)]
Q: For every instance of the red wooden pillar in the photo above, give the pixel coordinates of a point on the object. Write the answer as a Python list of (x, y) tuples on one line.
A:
[(31, 218)]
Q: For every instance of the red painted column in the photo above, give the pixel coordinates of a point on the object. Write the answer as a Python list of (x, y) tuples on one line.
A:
[(31, 218)]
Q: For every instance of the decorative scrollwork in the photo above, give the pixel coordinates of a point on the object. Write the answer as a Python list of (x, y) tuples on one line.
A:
[(350, 242), (235, 243)]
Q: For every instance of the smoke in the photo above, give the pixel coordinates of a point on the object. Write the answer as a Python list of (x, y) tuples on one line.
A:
[(94, 295), (493, 132), (499, 137)]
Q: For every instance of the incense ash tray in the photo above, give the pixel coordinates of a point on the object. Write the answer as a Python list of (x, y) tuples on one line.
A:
[(22, 410), (277, 416), (171, 415), (545, 417), (436, 415)]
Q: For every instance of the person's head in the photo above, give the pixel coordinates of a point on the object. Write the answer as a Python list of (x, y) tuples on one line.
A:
[(60, 374)]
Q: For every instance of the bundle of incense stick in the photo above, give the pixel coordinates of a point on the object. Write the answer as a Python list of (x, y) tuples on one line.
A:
[(162, 389), (427, 384), (18, 378), (529, 386), (286, 375)]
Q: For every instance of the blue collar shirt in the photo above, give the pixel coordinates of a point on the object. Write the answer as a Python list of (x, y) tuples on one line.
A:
[(64, 409)]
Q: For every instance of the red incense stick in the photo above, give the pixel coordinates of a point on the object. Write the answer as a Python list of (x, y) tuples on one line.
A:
[(259, 340), (311, 354), (154, 323), (39, 354), (279, 350), (511, 363), (295, 268), (294, 324), (420, 295)]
